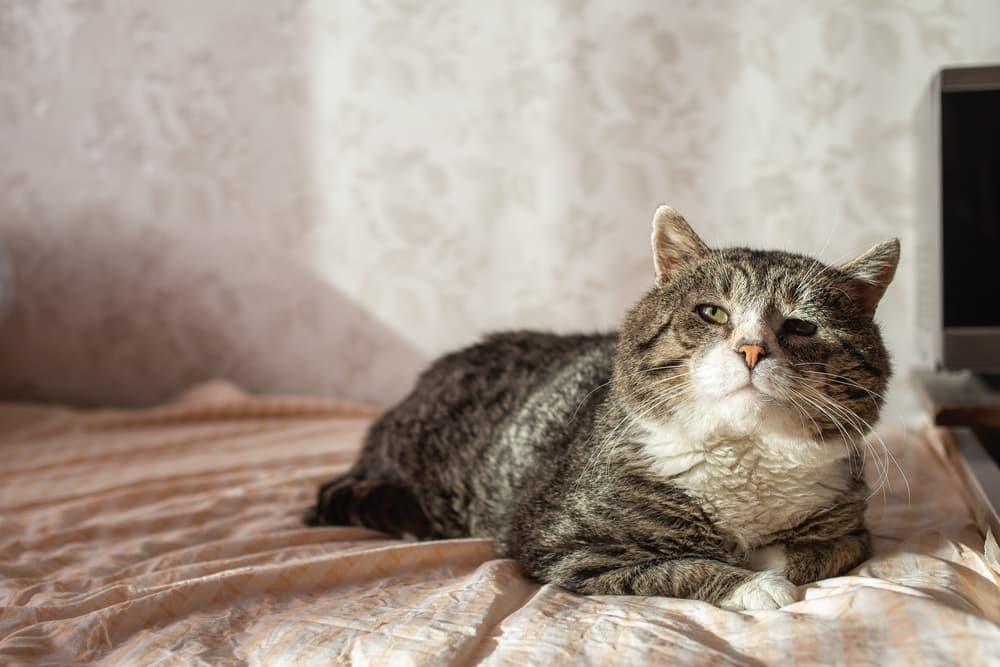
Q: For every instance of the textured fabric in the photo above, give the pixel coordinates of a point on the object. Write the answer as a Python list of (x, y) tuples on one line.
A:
[(171, 537), (237, 189)]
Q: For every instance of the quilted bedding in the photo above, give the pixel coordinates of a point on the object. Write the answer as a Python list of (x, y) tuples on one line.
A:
[(171, 536)]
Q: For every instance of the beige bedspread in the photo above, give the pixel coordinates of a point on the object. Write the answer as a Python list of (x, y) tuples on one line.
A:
[(171, 537)]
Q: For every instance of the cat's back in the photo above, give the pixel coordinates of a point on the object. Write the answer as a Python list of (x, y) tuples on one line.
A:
[(504, 368), (485, 415), (518, 376)]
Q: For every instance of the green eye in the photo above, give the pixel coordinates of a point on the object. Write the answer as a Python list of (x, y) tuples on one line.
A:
[(712, 314), (799, 327)]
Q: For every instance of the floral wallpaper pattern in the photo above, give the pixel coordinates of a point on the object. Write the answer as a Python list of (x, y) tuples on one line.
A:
[(320, 197)]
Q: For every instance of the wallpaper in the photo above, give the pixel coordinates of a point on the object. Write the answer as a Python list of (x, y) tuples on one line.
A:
[(320, 197)]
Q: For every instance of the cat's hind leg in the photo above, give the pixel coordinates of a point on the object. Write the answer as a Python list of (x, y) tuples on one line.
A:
[(389, 507)]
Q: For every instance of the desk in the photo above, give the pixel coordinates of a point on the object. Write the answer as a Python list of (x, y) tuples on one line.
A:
[(968, 409)]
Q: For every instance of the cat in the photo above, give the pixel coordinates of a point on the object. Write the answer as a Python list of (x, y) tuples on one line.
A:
[(711, 449)]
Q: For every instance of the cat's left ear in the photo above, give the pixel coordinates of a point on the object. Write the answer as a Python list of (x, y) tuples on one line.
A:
[(674, 243), (871, 272)]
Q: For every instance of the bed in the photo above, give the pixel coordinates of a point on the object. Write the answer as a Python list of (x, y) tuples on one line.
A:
[(171, 536)]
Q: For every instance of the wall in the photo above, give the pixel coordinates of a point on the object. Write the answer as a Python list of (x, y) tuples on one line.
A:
[(320, 197)]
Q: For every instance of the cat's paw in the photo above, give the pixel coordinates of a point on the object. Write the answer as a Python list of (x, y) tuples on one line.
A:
[(764, 590)]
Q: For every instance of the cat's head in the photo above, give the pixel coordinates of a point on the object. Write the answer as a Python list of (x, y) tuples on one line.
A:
[(744, 337)]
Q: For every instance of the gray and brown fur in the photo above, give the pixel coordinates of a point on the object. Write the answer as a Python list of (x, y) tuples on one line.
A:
[(533, 438)]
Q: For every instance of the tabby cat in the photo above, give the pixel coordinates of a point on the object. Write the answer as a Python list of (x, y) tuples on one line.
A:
[(711, 449)]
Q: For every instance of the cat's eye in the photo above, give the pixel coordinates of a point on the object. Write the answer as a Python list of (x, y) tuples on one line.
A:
[(712, 314), (796, 327)]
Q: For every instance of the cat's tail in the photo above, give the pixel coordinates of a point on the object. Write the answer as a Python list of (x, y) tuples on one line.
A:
[(389, 507)]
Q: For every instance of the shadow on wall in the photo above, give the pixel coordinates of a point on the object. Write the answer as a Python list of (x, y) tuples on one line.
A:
[(109, 314), (156, 199)]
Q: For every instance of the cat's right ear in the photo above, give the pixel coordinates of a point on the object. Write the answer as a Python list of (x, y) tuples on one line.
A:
[(674, 243), (871, 273)]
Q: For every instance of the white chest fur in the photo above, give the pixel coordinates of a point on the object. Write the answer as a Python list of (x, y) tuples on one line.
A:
[(750, 484)]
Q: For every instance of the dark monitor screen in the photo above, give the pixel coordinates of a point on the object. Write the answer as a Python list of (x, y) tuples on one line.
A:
[(970, 198)]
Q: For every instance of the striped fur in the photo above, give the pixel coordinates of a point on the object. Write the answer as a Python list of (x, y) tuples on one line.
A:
[(656, 460)]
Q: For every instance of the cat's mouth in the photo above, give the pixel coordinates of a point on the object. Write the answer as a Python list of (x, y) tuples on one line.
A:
[(747, 386), (749, 391)]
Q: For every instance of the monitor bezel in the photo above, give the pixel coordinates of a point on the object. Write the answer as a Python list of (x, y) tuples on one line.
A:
[(961, 348)]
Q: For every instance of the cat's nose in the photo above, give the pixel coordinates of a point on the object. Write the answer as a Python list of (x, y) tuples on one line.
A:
[(752, 353)]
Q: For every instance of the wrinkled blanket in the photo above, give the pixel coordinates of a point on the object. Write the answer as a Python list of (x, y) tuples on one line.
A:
[(171, 536)]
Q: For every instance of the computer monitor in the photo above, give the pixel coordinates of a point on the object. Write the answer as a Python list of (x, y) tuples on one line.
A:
[(960, 267)]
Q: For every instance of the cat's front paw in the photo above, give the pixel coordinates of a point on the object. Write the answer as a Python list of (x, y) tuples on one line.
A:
[(764, 590)]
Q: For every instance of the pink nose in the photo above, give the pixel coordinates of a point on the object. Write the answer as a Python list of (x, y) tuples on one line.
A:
[(751, 352)]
